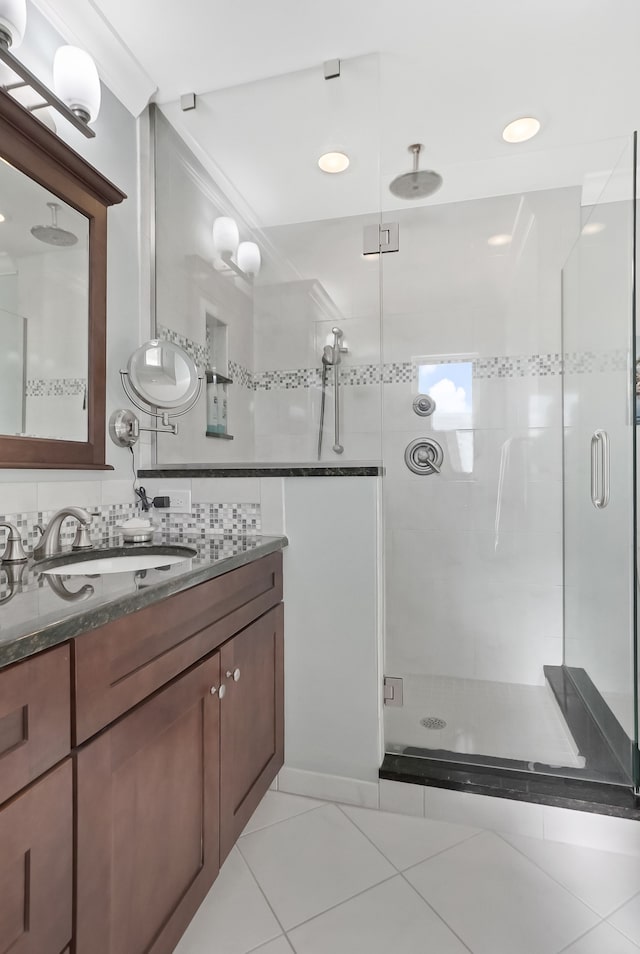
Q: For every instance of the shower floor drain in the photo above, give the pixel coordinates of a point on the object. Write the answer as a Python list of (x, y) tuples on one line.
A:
[(433, 722)]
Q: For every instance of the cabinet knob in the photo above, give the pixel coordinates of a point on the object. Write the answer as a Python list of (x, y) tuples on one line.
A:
[(221, 691), (235, 675)]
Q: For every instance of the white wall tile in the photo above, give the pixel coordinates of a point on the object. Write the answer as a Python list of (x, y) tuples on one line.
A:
[(225, 489), (18, 498), (402, 798), (483, 811), (80, 493), (333, 788), (592, 830)]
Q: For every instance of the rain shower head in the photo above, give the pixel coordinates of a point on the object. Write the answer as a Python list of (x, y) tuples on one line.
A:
[(417, 184), (53, 234)]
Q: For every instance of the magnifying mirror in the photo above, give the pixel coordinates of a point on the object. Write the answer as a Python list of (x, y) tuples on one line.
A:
[(160, 379)]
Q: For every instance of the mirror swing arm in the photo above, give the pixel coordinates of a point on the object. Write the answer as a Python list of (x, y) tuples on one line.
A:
[(161, 380), (124, 426)]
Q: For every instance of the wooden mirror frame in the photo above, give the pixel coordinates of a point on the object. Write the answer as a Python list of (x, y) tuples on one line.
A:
[(37, 152)]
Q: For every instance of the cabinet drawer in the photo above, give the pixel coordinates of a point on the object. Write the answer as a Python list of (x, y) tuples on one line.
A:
[(35, 720), (36, 855), (120, 664)]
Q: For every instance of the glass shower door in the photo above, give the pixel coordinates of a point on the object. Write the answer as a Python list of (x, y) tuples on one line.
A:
[(599, 411)]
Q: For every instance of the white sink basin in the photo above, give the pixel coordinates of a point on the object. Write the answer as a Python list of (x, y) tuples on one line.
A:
[(83, 566)]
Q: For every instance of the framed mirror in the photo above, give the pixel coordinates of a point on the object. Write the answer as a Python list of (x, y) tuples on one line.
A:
[(53, 271)]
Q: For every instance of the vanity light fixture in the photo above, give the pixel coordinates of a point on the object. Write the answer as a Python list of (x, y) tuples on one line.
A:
[(75, 77), (519, 130), (232, 255), (334, 162), (13, 21), (76, 82)]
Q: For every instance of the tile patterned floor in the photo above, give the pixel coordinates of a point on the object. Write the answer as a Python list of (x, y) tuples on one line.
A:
[(314, 877)]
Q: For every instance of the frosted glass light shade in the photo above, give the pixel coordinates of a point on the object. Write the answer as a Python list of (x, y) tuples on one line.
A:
[(225, 235), (13, 20), (248, 257), (76, 82)]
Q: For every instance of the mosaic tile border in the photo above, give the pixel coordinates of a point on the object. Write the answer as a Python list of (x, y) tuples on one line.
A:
[(208, 521), (55, 387), (202, 356)]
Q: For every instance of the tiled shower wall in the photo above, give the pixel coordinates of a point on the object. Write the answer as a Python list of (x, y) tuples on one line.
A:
[(474, 554)]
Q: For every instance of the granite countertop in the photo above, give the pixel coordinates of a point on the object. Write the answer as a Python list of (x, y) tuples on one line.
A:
[(359, 469), (38, 611)]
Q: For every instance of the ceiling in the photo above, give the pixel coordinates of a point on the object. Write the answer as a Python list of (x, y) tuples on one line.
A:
[(449, 75)]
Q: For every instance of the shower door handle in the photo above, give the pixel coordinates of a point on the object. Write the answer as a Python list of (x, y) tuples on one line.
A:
[(600, 469)]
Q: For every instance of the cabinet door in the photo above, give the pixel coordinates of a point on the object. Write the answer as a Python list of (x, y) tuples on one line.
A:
[(251, 721), (36, 857), (148, 813)]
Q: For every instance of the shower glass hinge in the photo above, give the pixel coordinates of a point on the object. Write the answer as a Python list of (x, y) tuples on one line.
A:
[(392, 691), (381, 238)]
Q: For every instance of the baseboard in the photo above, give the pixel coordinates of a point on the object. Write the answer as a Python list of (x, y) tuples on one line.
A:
[(332, 788)]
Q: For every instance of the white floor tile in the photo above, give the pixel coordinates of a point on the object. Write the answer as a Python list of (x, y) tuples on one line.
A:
[(278, 806), (389, 917), (602, 940), (234, 918), (309, 863), (627, 919), (405, 841), (497, 901), (601, 879), (279, 946)]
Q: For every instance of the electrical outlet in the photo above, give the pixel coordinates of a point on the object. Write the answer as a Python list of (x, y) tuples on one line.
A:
[(180, 501)]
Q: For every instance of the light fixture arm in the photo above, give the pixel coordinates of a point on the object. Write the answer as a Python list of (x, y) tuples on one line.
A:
[(31, 80), (227, 258), (163, 416)]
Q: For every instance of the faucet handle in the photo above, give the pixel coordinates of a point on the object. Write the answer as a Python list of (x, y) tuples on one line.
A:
[(14, 550), (82, 539)]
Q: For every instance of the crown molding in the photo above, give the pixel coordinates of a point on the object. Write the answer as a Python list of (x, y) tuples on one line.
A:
[(80, 23)]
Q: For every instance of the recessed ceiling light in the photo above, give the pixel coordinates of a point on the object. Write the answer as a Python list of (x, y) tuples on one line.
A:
[(592, 228), (2, 217), (497, 240), (521, 129), (333, 162)]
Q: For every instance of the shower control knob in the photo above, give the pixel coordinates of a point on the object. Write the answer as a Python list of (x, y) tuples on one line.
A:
[(424, 405), (235, 675)]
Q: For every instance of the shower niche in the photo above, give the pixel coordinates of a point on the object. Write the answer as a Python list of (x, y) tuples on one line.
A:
[(217, 378)]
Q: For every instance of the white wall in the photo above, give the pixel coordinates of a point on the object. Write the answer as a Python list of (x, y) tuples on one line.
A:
[(332, 680)]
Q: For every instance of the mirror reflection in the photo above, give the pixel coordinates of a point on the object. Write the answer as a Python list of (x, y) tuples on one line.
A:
[(162, 374), (44, 308)]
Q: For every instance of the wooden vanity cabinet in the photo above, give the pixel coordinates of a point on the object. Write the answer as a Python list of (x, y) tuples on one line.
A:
[(251, 721), (147, 830), (163, 792), (36, 859), (36, 825), (176, 715)]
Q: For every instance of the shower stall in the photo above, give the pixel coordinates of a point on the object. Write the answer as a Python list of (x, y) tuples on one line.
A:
[(470, 327), (511, 635)]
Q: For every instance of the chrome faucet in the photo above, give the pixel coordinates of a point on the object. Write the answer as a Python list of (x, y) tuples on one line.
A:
[(51, 543), (14, 551)]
